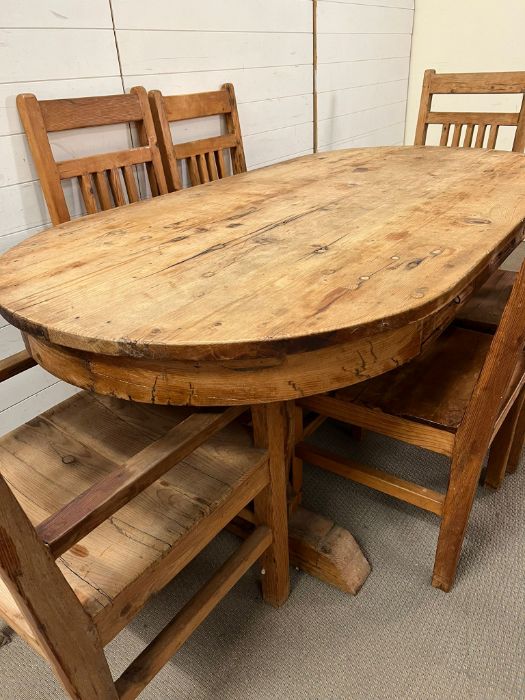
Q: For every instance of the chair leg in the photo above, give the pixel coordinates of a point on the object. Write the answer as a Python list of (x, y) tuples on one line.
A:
[(272, 426), (501, 447), (517, 441), (456, 511)]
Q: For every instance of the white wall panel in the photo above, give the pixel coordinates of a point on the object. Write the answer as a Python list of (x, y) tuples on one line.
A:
[(153, 52), (224, 16), (363, 51), (95, 14), (52, 48), (263, 47)]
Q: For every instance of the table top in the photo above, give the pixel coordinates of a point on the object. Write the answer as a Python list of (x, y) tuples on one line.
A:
[(284, 259)]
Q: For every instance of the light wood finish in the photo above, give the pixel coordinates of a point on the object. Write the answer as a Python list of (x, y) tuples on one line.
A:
[(123, 496), (468, 387), (272, 425), (106, 180), (471, 129), (84, 513), (144, 668), (376, 252), (205, 159), (234, 250), (407, 491)]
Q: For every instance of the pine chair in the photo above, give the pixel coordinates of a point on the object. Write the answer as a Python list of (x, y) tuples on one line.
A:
[(463, 395), (102, 503), (206, 159), (106, 180), (475, 130)]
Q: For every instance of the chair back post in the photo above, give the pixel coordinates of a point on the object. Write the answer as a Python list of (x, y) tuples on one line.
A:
[(162, 129), (33, 122), (233, 125), (148, 137), (65, 633), (519, 137), (485, 406), (424, 109)]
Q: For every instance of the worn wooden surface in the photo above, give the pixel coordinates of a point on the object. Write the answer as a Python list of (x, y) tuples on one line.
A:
[(365, 242), (437, 387), (113, 569)]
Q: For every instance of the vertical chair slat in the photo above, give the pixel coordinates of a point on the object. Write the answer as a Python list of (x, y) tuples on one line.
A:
[(116, 187), (86, 188), (480, 136), (221, 165), (212, 166), (444, 135), (203, 168), (131, 183), (493, 135), (104, 194), (456, 135), (193, 170), (469, 132)]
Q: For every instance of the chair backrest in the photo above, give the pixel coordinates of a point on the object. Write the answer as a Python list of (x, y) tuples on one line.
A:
[(471, 129), (106, 179), (499, 382), (205, 158)]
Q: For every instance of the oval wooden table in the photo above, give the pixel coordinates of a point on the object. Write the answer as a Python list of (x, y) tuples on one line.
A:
[(287, 281)]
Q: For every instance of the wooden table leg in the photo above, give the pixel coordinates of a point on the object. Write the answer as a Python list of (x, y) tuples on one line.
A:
[(316, 544)]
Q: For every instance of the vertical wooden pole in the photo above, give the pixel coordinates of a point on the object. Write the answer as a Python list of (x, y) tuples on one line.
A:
[(314, 76), (272, 429)]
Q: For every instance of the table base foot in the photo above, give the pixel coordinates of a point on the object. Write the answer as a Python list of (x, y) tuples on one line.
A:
[(321, 548), (327, 551)]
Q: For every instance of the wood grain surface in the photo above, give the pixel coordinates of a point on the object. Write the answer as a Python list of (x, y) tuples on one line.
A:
[(297, 256)]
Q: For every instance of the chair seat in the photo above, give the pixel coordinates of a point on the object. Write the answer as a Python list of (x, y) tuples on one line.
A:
[(52, 459), (483, 311), (436, 387)]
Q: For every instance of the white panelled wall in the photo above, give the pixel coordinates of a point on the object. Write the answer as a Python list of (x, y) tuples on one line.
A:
[(69, 48), (363, 55)]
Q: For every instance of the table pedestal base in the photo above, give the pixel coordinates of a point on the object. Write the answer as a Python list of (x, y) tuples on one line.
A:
[(327, 551), (321, 548)]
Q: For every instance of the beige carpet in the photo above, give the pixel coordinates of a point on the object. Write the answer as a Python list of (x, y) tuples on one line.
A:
[(399, 638)]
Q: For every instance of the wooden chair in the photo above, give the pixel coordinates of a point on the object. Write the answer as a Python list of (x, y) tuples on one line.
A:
[(463, 395), (475, 130), (102, 503), (106, 180), (206, 159)]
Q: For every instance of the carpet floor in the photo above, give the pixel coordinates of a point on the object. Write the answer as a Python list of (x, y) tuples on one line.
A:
[(398, 639)]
